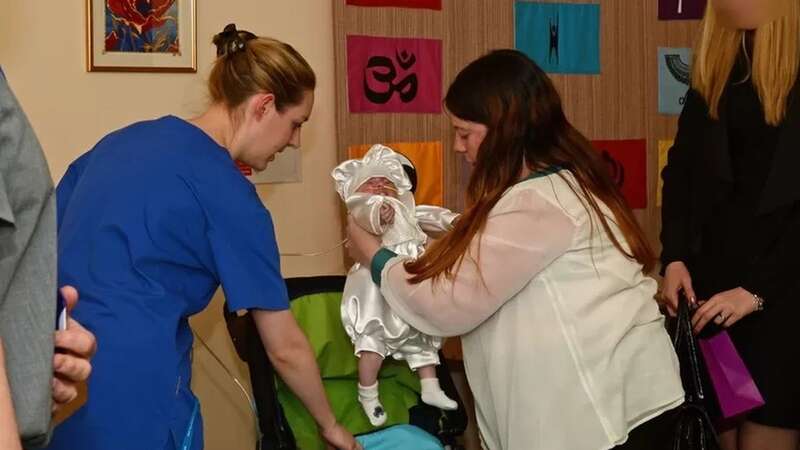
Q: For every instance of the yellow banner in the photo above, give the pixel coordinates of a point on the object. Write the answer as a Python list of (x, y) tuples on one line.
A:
[(427, 159), (663, 149)]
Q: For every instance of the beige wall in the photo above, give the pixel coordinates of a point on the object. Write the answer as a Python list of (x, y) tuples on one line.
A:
[(42, 53)]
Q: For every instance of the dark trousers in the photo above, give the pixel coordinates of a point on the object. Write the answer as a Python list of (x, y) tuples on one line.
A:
[(655, 434)]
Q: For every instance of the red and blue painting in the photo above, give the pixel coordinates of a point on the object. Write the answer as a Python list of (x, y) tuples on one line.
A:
[(142, 26)]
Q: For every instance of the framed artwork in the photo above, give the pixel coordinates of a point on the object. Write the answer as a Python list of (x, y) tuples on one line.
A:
[(141, 36)]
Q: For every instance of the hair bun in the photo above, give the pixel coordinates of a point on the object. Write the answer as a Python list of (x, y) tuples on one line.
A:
[(231, 40)]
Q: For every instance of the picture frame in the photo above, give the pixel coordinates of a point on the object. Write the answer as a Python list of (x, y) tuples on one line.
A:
[(122, 38)]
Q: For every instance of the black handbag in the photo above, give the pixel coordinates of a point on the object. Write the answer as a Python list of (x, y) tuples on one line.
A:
[(693, 427)]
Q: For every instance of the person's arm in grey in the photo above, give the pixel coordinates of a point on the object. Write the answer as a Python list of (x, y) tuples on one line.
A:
[(38, 381), (9, 436)]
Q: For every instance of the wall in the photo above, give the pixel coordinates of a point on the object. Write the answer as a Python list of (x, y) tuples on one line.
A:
[(620, 103), (42, 53), (467, 28)]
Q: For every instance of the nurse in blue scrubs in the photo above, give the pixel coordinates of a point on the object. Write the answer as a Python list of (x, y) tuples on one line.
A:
[(152, 220)]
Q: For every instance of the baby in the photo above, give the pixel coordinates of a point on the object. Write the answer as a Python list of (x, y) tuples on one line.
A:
[(378, 191)]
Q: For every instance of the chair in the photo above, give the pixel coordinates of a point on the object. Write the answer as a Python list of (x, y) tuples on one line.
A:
[(284, 422)]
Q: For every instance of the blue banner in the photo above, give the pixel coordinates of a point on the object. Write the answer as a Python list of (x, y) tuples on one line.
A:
[(674, 69), (560, 37)]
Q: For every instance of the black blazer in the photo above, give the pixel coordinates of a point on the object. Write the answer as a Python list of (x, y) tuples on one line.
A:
[(699, 176)]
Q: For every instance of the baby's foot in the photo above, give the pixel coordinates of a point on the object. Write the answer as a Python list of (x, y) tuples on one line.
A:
[(433, 395), (368, 397)]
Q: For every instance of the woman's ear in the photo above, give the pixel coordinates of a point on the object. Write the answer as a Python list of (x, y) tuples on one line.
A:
[(262, 105)]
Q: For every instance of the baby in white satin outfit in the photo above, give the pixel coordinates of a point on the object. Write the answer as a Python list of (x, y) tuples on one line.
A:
[(379, 194)]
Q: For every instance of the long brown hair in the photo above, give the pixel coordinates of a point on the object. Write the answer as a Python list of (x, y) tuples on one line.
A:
[(509, 94), (774, 65)]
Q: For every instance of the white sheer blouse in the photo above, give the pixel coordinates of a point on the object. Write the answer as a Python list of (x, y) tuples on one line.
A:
[(564, 346)]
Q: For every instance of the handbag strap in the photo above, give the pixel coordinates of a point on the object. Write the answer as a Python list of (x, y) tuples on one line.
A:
[(685, 338)]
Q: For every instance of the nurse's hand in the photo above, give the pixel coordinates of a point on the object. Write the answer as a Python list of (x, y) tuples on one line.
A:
[(362, 245), (75, 346), (340, 439)]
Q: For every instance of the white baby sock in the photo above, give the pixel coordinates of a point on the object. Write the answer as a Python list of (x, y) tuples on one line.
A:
[(368, 397), (433, 395)]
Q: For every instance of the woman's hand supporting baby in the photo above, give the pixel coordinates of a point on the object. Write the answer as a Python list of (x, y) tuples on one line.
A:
[(387, 214), (361, 245)]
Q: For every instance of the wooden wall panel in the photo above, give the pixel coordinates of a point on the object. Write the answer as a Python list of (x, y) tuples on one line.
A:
[(620, 103), (659, 127), (467, 28)]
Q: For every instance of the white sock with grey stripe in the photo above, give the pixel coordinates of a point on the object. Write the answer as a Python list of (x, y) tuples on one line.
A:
[(368, 397)]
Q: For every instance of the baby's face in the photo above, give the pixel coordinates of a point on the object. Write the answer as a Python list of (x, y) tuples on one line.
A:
[(378, 186)]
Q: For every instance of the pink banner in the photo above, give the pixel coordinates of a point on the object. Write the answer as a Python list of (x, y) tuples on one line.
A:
[(425, 4), (394, 75)]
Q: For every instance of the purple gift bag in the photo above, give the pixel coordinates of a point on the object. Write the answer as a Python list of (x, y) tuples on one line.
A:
[(736, 391)]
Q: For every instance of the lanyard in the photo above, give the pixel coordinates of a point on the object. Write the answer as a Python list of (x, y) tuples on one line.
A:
[(187, 439)]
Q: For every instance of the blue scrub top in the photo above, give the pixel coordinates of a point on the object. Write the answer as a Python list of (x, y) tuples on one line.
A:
[(151, 221)]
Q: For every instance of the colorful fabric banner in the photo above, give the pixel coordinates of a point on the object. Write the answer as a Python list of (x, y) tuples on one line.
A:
[(427, 159), (627, 165), (423, 4), (394, 75), (681, 9), (663, 150), (560, 37), (674, 71)]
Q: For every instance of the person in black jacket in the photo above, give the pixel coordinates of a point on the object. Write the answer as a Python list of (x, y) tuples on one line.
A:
[(731, 205)]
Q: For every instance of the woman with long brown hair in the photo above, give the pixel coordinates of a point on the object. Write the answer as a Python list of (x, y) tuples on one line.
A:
[(544, 275), (731, 211)]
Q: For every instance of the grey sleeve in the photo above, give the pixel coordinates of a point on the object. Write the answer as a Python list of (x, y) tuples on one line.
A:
[(27, 269)]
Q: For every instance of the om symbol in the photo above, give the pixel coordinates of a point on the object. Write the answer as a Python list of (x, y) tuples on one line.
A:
[(382, 69)]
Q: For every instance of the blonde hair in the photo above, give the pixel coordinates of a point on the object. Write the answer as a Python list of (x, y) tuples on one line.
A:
[(774, 63), (247, 64)]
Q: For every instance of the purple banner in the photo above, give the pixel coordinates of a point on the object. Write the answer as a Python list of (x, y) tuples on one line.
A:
[(681, 9)]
